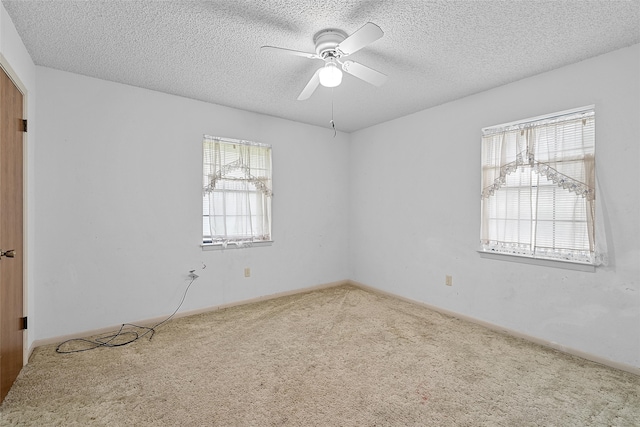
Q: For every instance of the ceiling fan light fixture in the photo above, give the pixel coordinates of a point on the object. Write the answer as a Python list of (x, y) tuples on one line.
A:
[(330, 75)]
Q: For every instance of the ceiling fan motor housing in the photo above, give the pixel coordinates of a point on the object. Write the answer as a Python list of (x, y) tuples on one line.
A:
[(327, 40)]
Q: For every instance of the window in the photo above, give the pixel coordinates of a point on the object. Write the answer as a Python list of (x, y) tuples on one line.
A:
[(236, 197), (538, 188)]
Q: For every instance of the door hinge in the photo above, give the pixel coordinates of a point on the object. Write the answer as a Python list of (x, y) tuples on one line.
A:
[(24, 125), (24, 322)]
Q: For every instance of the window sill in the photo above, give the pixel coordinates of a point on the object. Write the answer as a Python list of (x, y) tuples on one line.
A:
[(220, 247), (567, 265)]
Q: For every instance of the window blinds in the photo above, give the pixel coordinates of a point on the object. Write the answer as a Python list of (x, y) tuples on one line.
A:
[(237, 191), (538, 187)]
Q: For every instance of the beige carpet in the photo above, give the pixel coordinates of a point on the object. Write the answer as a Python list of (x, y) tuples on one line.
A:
[(337, 357)]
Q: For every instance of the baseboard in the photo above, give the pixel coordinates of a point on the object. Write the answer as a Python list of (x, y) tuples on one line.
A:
[(29, 353), (556, 346), (156, 320)]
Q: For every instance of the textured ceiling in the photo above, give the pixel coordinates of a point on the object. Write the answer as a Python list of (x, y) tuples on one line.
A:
[(432, 51)]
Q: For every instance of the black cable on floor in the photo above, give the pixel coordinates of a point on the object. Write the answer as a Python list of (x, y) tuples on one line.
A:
[(112, 340)]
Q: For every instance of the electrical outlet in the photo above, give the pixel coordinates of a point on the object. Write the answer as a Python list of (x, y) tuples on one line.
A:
[(448, 280), (247, 272)]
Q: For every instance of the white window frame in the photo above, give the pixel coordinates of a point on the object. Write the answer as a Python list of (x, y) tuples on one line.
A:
[(498, 175), (236, 192)]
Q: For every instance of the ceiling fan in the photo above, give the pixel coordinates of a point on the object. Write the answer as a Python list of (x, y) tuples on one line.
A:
[(332, 46)]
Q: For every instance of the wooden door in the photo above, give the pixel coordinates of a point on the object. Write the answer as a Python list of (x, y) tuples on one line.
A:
[(11, 231)]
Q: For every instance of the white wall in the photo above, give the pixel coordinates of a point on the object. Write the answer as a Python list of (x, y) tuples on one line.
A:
[(414, 214), (118, 185), (15, 56), (117, 178)]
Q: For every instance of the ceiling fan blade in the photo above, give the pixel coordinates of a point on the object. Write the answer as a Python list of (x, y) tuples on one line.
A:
[(365, 73), (310, 87), (292, 52), (368, 33)]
